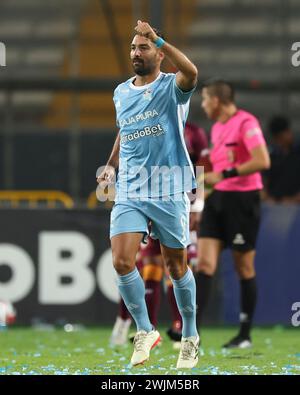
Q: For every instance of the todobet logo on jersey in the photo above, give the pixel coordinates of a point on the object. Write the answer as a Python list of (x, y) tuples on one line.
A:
[(147, 131)]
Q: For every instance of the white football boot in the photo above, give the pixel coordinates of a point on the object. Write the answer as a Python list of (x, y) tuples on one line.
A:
[(188, 355), (143, 343)]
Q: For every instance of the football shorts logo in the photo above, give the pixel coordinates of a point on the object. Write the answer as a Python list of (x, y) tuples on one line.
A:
[(238, 239)]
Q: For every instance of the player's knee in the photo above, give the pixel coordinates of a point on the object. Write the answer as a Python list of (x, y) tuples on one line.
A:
[(175, 268), (122, 264), (206, 266), (245, 272)]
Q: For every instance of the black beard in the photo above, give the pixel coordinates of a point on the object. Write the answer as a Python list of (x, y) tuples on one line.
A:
[(142, 70)]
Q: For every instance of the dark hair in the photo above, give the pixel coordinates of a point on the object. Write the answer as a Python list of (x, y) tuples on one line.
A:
[(278, 124), (223, 89)]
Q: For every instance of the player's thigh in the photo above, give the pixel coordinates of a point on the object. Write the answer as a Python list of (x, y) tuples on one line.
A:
[(209, 250), (124, 249), (244, 263)]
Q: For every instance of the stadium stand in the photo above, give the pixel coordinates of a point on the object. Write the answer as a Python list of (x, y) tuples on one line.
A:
[(78, 39), (249, 40), (37, 36)]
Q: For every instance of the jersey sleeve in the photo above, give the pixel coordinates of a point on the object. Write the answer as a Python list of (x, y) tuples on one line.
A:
[(252, 134), (181, 96)]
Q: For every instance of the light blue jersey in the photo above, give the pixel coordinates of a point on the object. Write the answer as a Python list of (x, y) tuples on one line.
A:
[(154, 160)]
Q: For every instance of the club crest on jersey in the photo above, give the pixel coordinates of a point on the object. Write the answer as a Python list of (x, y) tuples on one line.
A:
[(147, 95)]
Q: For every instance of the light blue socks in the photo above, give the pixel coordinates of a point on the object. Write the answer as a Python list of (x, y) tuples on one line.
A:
[(132, 289), (185, 294)]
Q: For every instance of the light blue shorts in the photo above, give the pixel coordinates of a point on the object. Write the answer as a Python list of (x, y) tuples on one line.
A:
[(169, 219)]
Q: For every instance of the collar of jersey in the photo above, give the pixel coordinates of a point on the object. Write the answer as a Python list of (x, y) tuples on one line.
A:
[(143, 86)]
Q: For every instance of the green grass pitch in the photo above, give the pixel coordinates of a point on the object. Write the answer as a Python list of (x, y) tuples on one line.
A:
[(86, 352)]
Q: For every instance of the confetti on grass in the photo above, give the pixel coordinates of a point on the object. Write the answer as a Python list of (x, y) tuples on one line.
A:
[(87, 352)]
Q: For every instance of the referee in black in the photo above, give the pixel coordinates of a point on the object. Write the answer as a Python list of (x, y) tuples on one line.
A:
[(232, 211)]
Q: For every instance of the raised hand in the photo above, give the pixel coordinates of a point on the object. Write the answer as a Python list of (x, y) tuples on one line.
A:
[(144, 29)]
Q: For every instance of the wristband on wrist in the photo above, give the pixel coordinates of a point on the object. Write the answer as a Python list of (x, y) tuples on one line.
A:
[(230, 173), (159, 42)]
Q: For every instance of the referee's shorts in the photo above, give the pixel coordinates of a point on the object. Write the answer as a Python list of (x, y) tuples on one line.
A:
[(232, 217)]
